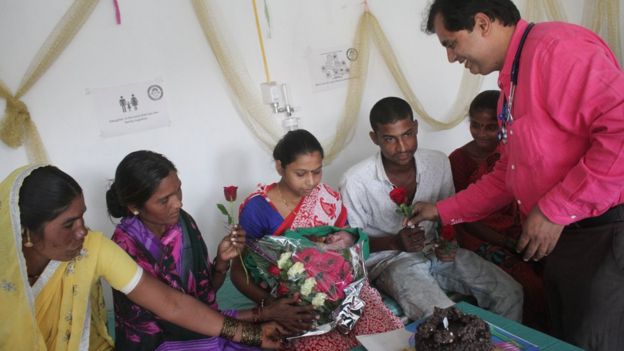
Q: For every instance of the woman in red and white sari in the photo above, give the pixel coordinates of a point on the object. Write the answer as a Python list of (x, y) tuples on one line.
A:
[(300, 200)]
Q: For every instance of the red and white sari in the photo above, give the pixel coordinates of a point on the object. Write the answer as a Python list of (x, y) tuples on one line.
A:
[(322, 207)]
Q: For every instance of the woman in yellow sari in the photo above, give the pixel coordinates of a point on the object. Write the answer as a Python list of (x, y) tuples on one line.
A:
[(50, 289)]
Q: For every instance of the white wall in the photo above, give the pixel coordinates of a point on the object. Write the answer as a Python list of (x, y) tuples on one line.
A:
[(207, 140)]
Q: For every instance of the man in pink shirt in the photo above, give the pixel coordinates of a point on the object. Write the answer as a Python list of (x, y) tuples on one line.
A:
[(562, 123)]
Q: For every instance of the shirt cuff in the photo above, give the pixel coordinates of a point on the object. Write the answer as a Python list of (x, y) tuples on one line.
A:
[(448, 211), (133, 282)]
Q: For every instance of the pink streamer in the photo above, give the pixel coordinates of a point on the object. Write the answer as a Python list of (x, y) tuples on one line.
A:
[(117, 12)]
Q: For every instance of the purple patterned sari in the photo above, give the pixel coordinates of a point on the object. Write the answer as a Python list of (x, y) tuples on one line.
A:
[(179, 259)]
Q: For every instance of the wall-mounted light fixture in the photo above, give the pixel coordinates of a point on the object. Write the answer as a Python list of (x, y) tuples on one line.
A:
[(277, 96)]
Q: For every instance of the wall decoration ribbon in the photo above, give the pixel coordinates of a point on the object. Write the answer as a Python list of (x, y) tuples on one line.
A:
[(17, 127), (257, 116), (603, 17), (543, 10)]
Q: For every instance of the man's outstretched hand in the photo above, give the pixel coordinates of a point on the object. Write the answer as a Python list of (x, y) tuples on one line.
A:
[(422, 211)]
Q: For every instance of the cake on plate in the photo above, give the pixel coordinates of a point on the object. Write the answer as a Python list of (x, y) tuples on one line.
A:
[(449, 329)]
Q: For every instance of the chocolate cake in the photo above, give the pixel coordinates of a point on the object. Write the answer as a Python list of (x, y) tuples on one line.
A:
[(450, 329)]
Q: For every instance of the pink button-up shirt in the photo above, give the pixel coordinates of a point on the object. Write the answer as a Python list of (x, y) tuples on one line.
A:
[(565, 149)]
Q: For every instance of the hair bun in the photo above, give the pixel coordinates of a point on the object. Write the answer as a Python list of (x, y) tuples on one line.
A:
[(115, 209)]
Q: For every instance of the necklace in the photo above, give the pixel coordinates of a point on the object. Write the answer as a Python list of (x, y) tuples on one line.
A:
[(284, 201)]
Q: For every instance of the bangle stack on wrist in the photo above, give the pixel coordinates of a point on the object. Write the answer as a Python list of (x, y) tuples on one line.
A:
[(257, 312), (251, 334), (228, 330)]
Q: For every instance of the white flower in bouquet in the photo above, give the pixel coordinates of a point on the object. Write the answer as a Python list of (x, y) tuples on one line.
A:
[(284, 260), (296, 270), (308, 285), (319, 300)]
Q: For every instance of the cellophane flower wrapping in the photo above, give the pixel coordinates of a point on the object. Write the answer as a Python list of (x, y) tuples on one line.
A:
[(328, 279)]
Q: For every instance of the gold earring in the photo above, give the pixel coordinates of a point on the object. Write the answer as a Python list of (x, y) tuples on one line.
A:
[(135, 212), (28, 243)]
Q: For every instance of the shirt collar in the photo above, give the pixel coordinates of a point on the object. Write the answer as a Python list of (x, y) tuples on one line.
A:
[(505, 74), (380, 171)]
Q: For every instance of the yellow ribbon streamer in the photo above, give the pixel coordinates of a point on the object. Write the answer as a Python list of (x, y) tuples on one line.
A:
[(14, 123), (17, 128)]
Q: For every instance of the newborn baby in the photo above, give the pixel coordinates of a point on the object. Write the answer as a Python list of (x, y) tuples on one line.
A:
[(336, 241)]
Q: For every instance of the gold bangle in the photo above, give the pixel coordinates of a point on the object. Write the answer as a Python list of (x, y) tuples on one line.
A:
[(251, 334), (256, 312), (228, 330)]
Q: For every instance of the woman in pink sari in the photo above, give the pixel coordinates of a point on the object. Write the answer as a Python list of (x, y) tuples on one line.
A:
[(300, 200)]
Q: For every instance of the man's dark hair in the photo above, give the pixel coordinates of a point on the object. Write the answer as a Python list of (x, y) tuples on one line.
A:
[(459, 14), (485, 100), (389, 110)]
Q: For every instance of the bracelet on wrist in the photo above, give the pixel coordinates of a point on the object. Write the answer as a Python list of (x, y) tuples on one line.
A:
[(215, 266), (251, 334), (228, 330), (255, 314)]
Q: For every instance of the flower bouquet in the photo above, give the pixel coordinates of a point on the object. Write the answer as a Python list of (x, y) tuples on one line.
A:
[(326, 277)]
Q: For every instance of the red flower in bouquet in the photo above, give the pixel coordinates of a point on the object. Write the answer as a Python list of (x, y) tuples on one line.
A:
[(333, 283), (329, 269), (282, 289), (321, 278), (399, 197), (274, 271), (316, 262)]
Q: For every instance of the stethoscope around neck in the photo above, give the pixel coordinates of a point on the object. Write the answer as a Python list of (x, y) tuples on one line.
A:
[(505, 115)]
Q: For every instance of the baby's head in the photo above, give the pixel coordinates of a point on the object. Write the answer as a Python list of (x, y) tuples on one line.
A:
[(339, 240)]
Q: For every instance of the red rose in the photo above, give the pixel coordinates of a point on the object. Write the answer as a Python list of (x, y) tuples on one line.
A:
[(274, 271), (230, 192), (447, 233), (330, 270), (282, 289), (305, 256), (321, 262), (398, 195)]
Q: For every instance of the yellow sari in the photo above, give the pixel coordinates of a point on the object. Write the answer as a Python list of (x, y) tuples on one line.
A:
[(64, 309)]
